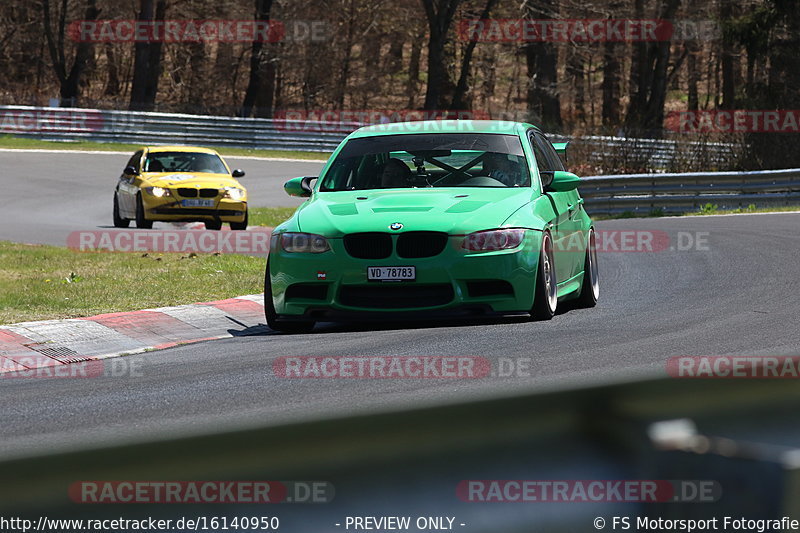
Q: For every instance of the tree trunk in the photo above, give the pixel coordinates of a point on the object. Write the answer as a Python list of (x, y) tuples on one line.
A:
[(576, 76), (413, 68), (460, 97), (258, 66), (147, 60), (611, 73), (727, 58), (639, 80), (647, 105), (541, 59), (112, 83), (440, 15), (693, 75), (69, 81)]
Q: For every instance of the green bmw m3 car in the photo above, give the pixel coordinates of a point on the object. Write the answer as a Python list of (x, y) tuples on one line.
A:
[(433, 218)]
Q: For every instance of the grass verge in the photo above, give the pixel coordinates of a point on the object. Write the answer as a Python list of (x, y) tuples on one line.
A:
[(8, 141), (268, 216), (40, 282)]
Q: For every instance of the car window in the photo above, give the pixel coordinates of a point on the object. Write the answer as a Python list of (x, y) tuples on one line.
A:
[(547, 158), (135, 160), (184, 162), (421, 160)]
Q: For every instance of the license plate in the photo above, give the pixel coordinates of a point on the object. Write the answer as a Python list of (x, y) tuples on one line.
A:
[(197, 203), (395, 273)]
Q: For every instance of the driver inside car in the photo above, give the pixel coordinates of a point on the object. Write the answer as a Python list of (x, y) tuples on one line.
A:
[(499, 167), (395, 174)]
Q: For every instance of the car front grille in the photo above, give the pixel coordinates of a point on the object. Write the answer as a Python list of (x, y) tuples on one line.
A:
[(416, 244), (188, 192), (410, 245), (396, 296), (371, 245)]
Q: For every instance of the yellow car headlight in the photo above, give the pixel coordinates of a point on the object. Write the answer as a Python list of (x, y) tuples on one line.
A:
[(158, 192), (234, 193)]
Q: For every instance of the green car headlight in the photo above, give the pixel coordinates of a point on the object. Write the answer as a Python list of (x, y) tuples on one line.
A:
[(494, 239), (308, 243), (158, 192)]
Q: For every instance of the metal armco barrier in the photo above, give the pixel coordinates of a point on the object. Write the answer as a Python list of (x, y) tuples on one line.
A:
[(638, 193), (71, 124), (682, 192), (128, 127)]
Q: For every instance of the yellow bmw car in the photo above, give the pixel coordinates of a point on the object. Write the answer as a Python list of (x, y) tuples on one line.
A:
[(179, 184)]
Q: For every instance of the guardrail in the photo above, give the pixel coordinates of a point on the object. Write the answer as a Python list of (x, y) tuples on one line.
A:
[(128, 127), (69, 124), (638, 193), (674, 193)]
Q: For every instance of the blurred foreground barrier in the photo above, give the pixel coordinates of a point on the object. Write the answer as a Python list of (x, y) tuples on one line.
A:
[(737, 438)]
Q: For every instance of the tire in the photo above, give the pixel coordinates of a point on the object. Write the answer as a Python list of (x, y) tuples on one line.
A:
[(240, 225), (304, 326), (545, 298), (590, 289), (213, 225), (141, 222), (119, 222)]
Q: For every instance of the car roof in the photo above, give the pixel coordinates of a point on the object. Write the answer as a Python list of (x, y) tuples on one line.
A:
[(197, 149), (443, 126)]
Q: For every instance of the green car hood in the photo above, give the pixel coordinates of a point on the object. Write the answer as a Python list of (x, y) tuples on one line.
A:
[(452, 210)]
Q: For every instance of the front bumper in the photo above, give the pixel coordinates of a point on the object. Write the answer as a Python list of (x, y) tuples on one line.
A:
[(333, 285), (170, 210)]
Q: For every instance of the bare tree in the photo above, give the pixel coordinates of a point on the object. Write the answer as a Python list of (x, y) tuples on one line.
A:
[(69, 77), (440, 15), (541, 59), (460, 100), (261, 84), (147, 62)]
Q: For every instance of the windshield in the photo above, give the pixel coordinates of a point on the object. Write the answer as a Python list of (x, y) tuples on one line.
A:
[(428, 160), (184, 162)]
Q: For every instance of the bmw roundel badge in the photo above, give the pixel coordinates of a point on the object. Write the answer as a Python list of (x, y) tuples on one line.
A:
[(395, 226)]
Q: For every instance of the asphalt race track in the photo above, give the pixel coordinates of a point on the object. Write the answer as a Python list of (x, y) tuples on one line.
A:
[(734, 293), (47, 196)]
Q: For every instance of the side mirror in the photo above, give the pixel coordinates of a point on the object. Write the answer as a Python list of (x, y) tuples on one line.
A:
[(562, 181), (561, 150), (299, 186), (130, 170), (237, 173)]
